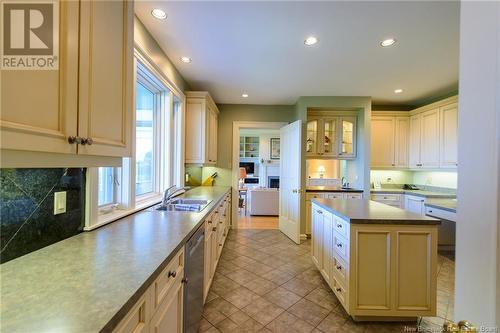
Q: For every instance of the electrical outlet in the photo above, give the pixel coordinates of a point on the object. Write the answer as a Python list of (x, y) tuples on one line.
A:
[(59, 202)]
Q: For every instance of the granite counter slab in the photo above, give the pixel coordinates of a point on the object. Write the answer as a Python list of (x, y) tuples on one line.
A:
[(331, 189), (88, 282), (420, 193), (371, 212), (445, 204)]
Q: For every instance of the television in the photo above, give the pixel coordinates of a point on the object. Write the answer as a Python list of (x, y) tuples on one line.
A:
[(249, 167)]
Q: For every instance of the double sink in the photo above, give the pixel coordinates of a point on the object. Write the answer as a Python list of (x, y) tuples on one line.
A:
[(184, 205)]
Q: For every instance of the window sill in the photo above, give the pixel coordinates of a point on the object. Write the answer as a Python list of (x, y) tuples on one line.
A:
[(117, 214)]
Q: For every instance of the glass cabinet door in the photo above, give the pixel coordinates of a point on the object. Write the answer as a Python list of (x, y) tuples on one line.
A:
[(329, 136), (348, 144), (312, 137)]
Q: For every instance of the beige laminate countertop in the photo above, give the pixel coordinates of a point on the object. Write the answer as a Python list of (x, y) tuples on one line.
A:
[(88, 282), (371, 212), (445, 204)]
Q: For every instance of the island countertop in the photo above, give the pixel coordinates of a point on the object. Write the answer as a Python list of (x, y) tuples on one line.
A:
[(365, 211), (88, 282)]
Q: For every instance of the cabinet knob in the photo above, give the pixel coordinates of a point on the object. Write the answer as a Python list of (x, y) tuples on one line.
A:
[(185, 280), (339, 225), (338, 289), (172, 274), (209, 222), (339, 245), (214, 229), (74, 140), (87, 141), (319, 212), (220, 244), (338, 267)]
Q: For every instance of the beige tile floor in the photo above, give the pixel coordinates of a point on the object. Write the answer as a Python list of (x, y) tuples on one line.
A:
[(266, 283)]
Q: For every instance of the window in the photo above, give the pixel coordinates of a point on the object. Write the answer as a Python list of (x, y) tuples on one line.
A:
[(145, 141), (157, 161)]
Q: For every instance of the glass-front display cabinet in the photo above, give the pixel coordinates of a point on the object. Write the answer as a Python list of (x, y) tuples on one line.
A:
[(333, 137)]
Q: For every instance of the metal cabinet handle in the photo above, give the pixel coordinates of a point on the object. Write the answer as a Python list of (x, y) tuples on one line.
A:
[(172, 274), (87, 141)]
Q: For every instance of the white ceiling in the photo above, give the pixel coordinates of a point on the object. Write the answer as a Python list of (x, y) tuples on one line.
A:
[(257, 47)]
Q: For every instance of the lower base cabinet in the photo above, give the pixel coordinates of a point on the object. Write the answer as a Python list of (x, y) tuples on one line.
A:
[(168, 316), (377, 271)]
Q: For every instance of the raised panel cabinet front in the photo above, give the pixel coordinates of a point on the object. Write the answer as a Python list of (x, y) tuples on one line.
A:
[(449, 136), (106, 77), (383, 142), (415, 270), (39, 108), (415, 143), (429, 153), (371, 270)]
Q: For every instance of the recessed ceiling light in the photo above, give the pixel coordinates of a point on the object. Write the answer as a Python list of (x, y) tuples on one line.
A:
[(159, 13), (398, 91), (387, 42), (244, 95), (310, 41), (186, 60)]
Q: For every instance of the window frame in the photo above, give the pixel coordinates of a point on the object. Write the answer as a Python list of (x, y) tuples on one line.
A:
[(169, 135)]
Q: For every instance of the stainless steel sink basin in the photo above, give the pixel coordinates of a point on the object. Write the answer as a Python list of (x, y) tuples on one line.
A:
[(184, 205), (202, 202)]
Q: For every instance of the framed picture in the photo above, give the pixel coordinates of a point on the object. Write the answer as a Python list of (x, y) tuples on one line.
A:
[(275, 148)]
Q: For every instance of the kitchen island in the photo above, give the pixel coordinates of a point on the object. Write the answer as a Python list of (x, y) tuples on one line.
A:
[(380, 261)]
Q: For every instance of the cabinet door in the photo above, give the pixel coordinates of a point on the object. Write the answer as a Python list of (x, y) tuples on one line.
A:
[(415, 133), (212, 137), (312, 144), (382, 142), (327, 246), (316, 237), (39, 108), (329, 137), (168, 317), (308, 216), (106, 77), (207, 260), (195, 130), (402, 131), (449, 136), (214, 257), (348, 137), (429, 153), (415, 204)]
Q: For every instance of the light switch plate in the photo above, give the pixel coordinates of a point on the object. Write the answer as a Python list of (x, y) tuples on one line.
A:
[(59, 202)]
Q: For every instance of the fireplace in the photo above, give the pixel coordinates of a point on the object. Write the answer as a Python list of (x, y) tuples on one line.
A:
[(273, 182)]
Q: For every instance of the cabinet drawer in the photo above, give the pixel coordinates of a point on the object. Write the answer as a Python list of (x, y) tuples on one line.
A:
[(341, 227), (341, 292), (341, 246), (334, 196), (173, 272), (354, 195), (310, 196), (386, 197), (340, 270), (441, 214)]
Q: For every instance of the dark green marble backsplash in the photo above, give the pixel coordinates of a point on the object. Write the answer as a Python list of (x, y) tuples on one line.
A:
[(27, 220)]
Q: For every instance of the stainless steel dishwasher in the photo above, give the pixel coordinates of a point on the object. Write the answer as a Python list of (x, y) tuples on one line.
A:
[(193, 281)]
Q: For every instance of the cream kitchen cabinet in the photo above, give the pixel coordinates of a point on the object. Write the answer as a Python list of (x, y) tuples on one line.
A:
[(449, 136), (395, 200), (160, 308), (415, 204), (331, 137), (85, 107), (201, 128), (424, 139), (389, 141)]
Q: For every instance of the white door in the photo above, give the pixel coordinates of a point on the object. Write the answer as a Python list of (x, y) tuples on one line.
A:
[(290, 170)]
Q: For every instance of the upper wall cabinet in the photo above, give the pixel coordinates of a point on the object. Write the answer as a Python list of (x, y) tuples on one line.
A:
[(201, 128), (389, 141), (85, 107), (106, 77), (425, 138), (331, 137)]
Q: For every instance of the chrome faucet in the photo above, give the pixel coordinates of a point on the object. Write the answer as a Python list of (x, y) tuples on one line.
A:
[(344, 182), (171, 192)]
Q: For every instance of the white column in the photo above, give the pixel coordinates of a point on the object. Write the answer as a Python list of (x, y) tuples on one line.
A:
[(477, 257)]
